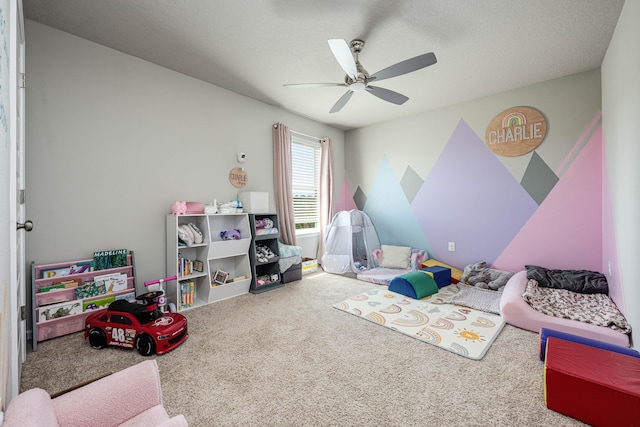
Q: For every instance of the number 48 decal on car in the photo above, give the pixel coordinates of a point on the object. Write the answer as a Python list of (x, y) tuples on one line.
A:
[(123, 337)]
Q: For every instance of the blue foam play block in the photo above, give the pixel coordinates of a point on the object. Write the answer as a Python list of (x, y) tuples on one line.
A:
[(416, 285), (441, 275), (546, 333)]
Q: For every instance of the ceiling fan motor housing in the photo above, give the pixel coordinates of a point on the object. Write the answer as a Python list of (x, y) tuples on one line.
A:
[(363, 75)]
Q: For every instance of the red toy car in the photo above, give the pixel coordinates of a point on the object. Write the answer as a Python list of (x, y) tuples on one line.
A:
[(126, 324)]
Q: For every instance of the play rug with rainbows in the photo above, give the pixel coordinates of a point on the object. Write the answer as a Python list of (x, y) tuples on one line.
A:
[(461, 330)]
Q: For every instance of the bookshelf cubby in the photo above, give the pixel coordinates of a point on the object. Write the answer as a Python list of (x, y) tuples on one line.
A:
[(65, 299)]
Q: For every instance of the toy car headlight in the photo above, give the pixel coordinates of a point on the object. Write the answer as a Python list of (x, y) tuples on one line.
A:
[(164, 337)]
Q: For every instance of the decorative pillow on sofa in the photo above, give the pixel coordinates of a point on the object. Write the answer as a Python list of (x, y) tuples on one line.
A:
[(581, 281), (396, 257)]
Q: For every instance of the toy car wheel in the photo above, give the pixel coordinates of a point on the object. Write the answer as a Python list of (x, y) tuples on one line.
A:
[(145, 345), (97, 338)]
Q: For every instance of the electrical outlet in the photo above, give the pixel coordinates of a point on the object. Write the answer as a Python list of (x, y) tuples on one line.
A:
[(452, 246)]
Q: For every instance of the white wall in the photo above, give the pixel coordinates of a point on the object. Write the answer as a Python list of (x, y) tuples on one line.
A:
[(417, 141), (113, 141), (621, 130)]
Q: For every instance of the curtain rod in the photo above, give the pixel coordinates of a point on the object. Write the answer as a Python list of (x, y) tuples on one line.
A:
[(275, 125)]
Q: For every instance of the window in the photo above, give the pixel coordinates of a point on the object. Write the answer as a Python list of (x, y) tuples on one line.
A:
[(119, 318), (305, 169)]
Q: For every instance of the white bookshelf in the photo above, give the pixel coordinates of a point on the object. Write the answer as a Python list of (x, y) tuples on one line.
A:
[(231, 256)]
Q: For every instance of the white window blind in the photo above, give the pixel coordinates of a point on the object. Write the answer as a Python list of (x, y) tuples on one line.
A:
[(305, 168)]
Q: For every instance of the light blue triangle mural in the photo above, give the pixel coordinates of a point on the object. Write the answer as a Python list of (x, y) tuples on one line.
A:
[(471, 199), (391, 212)]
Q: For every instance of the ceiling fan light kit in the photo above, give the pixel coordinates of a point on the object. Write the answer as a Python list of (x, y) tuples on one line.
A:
[(357, 79)]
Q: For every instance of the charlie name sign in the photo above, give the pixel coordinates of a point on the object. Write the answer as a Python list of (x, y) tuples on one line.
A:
[(516, 131)]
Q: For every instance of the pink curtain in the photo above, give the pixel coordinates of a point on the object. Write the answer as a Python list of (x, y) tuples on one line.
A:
[(282, 184), (326, 192)]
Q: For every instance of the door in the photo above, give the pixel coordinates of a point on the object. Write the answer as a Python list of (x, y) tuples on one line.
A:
[(20, 199), (16, 297)]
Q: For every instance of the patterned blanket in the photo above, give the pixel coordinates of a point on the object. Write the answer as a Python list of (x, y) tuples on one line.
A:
[(597, 309)]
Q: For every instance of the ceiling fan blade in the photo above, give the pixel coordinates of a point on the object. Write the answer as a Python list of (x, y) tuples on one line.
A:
[(341, 102), (311, 85), (343, 55), (406, 66), (387, 95)]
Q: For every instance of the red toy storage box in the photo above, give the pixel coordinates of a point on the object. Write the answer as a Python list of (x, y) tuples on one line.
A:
[(596, 386)]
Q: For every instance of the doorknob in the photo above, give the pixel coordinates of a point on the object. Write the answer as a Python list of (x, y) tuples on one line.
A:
[(28, 225)]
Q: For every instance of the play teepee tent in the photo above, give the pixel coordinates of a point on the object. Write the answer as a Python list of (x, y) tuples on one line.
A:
[(350, 240)]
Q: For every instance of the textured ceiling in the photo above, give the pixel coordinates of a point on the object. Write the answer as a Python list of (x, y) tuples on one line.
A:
[(254, 47)]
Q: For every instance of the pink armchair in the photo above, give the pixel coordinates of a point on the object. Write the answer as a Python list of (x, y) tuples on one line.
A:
[(131, 397)]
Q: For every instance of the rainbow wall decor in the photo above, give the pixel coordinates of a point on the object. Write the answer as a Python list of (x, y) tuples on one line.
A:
[(514, 119)]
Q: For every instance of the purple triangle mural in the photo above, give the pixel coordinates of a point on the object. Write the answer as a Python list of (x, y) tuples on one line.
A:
[(566, 230), (469, 187)]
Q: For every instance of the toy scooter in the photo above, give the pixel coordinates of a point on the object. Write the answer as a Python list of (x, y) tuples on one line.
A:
[(161, 299)]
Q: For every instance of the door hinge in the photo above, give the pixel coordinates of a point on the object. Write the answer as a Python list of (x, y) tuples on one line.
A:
[(23, 313), (23, 197), (23, 80)]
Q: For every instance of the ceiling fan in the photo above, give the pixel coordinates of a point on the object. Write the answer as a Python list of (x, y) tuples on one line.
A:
[(358, 79)]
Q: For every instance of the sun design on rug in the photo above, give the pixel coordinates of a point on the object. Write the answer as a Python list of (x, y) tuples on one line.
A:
[(469, 335)]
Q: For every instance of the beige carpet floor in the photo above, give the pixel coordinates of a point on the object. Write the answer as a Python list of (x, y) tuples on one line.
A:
[(288, 358)]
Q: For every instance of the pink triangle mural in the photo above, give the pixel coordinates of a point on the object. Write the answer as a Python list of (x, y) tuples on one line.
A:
[(345, 201), (565, 232)]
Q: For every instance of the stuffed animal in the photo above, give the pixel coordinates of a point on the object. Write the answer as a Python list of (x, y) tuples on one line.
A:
[(486, 278), (230, 234), (179, 208)]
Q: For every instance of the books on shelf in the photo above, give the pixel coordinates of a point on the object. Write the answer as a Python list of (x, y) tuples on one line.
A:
[(103, 260), (60, 285), (56, 311), (112, 282), (104, 284), (187, 294), (90, 289), (97, 303), (80, 267), (186, 267)]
